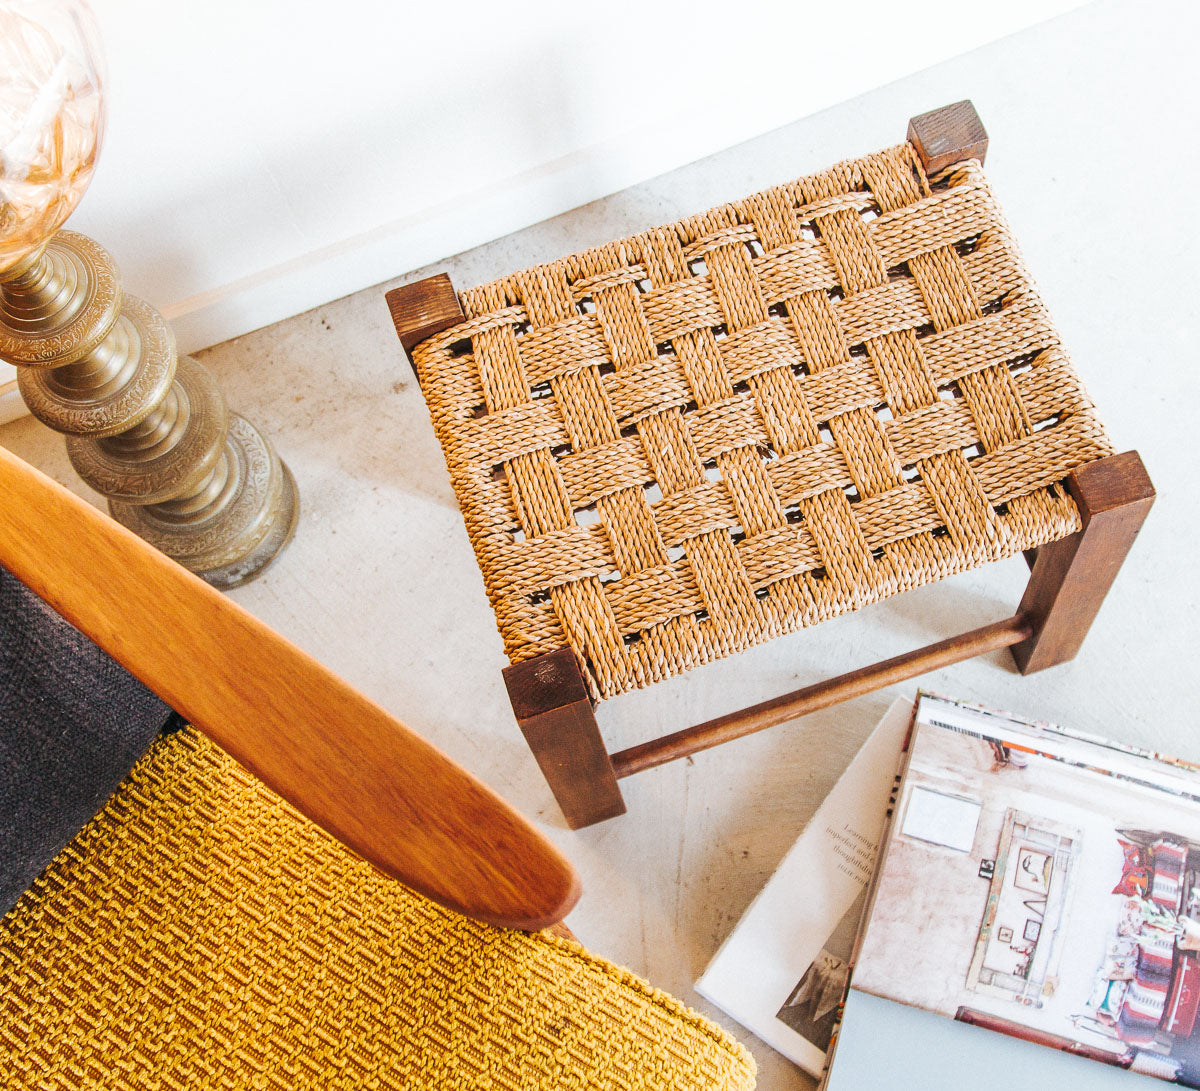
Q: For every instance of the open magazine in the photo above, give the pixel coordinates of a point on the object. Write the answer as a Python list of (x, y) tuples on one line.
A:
[(1039, 882)]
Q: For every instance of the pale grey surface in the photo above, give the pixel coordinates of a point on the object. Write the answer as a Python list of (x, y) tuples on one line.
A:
[(1092, 119), (883, 1044)]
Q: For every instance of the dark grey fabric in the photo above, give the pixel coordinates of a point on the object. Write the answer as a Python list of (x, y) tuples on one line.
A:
[(72, 724)]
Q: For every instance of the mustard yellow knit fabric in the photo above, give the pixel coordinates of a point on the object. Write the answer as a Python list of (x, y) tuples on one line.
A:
[(200, 934)]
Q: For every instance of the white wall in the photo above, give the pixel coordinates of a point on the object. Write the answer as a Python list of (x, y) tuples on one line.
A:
[(266, 156)]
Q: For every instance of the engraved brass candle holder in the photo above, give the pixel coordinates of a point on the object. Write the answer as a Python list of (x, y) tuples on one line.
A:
[(146, 428)]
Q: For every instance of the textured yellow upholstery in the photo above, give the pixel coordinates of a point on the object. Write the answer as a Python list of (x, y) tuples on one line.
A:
[(199, 933)]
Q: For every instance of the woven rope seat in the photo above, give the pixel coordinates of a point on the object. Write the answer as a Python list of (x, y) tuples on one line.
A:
[(683, 443), (686, 442)]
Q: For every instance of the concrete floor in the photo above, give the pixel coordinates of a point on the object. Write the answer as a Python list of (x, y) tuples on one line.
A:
[(1090, 118)]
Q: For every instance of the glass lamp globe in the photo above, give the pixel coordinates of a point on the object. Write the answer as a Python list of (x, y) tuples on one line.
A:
[(51, 118)]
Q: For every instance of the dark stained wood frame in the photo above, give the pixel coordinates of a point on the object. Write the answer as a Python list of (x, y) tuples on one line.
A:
[(1067, 584)]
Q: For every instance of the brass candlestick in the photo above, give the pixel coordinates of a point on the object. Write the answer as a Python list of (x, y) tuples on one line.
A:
[(146, 428)]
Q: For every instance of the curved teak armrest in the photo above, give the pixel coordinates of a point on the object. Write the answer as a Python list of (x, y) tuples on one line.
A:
[(327, 749)]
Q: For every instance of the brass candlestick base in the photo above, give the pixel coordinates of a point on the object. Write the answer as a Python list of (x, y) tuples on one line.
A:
[(146, 428), (230, 529)]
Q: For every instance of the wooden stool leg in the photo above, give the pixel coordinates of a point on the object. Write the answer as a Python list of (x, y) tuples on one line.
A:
[(421, 309), (1071, 577), (948, 135), (554, 711)]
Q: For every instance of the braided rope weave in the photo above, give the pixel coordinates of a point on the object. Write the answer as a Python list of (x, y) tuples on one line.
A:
[(681, 444), (199, 933)]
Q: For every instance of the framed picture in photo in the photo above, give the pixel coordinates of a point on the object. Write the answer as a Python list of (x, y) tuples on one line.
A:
[(1033, 929), (1033, 871), (1004, 935)]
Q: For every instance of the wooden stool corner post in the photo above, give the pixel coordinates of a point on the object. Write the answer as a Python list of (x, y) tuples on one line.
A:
[(1070, 577), (554, 711), (947, 136), (423, 308)]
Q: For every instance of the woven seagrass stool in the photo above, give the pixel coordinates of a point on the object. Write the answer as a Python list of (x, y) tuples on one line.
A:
[(681, 444)]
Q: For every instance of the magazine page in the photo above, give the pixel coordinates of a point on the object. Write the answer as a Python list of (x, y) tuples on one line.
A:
[(1043, 883), (782, 972)]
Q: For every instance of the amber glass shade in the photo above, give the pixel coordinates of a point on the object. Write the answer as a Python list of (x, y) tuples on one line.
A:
[(51, 117)]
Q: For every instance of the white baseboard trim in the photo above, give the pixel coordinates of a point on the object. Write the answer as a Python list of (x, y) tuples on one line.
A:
[(658, 144), (401, 246)]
